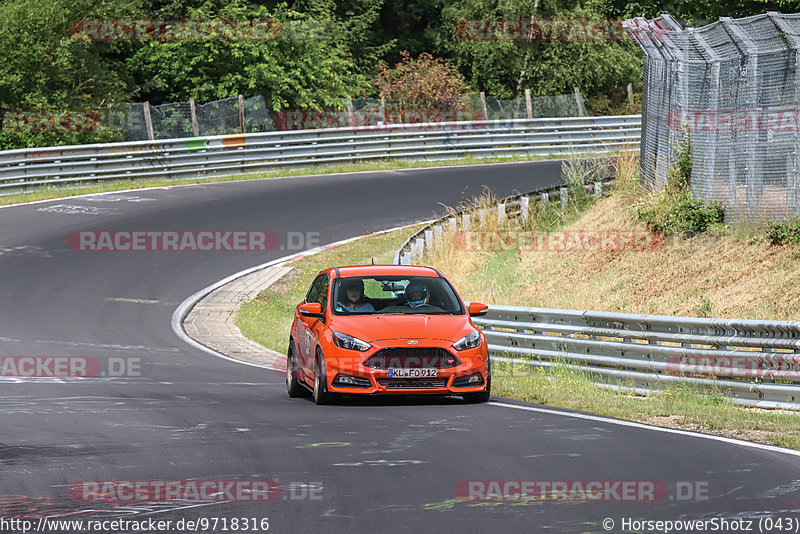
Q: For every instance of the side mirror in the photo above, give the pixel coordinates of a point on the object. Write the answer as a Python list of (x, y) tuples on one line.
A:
[(310, 309), (476, 309)]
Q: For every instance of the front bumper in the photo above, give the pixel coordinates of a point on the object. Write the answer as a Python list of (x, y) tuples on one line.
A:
[(349, 363)]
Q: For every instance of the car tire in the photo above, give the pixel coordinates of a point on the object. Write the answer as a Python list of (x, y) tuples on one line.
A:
[(481, 396), (293, 386), (320, 392)]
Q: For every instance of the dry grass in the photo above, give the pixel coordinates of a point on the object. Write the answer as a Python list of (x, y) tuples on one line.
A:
[(729, 275)]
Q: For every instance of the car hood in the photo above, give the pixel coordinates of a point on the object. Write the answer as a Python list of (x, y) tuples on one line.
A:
[(384, 327)]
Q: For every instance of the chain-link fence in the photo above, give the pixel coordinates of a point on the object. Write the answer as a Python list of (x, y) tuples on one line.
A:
[(733, 88), (228, 116)]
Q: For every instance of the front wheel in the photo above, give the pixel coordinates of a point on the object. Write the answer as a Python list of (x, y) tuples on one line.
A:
[(320, 394), (293, 385)]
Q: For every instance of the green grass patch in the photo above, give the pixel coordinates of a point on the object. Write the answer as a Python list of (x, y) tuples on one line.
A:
[(268, 318)]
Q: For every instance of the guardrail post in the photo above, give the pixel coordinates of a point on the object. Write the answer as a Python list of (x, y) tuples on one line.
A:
[(405, 258), (482, 217), (545, 198), (428, 240), (465, 221), (453, 223), (501, 212), (563, 193), (524, 207), (598, 189), (437, 233), (419, 244)]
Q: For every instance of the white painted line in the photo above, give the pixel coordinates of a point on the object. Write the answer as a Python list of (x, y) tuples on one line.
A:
[(601, 419), (183, 309)]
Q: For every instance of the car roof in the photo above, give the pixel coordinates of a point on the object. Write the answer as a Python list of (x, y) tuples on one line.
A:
[(384, 270)]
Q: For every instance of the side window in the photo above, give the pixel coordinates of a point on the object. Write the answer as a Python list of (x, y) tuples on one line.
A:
[(323, 294), (319, 291), (316, 286)]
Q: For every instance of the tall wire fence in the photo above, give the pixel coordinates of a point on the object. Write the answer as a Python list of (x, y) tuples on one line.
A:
[(140, 122), (732, 87)]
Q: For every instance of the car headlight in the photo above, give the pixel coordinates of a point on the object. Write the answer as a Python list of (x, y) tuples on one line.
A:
[(470, 341), (349, 342)]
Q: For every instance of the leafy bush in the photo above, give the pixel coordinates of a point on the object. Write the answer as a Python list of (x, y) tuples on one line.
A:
[(674, 211), (424, 83), (781, 233)]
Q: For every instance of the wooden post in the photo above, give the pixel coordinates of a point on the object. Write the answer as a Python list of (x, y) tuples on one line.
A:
[(383, 112), (241, 114), (528, 104), (195, 129), (483, 101), (579, 100), (148, 121), (350, 113), (630, 94)]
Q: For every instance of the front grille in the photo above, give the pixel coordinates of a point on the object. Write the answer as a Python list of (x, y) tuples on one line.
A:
[(412, 357), (413, 383)]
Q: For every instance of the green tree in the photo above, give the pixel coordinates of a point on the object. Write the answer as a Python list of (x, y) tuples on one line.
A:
[(44, 68), (505, 68), (304, 68), (423, 83)]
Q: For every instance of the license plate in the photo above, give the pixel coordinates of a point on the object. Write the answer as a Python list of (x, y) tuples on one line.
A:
[(413, 373)]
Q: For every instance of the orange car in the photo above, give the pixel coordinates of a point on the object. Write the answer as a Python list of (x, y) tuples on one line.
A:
[(375, 329)]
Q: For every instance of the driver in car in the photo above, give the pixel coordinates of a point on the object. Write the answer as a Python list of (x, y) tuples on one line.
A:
[(354, 301)]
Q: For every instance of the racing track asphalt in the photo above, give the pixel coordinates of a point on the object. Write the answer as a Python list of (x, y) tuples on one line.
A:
[(387, 465)]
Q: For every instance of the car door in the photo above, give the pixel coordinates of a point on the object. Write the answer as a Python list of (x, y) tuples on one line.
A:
[(309, 329)]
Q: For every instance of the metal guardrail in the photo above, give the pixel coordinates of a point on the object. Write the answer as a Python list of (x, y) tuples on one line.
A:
[(757, 363), (516, 206), (248, 153)]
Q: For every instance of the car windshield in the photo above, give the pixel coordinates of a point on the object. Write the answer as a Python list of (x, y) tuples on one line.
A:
[(394, 295)]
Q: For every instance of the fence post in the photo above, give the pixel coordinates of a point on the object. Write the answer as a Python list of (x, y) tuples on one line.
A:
[(241, 114), (148, 121), (383, 111), (748, 99), (350, 113), (794, 42), (528, 105), (195, 129), (483, 101), (630, 94), (708, 151), (579, 101)]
